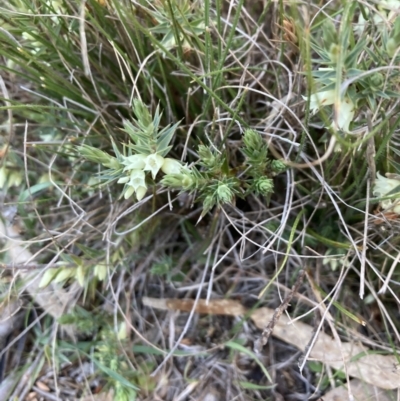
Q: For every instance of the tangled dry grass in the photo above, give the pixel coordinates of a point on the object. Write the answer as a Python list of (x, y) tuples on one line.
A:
[(110, 298)]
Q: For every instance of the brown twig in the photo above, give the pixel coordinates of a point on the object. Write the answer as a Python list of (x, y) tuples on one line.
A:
[(32, 266), (259, 344)]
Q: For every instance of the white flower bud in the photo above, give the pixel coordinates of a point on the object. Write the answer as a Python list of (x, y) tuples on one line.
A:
[(134, 162), (171, 166), (321, 99), (382, 187), (140, 193), (128, 192), (345, 115), (123, 180), (345, 108)]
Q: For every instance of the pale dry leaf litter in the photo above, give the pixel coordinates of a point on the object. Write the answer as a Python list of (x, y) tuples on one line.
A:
[(377, 370), (53, 299), (10, 315), (360, 392)]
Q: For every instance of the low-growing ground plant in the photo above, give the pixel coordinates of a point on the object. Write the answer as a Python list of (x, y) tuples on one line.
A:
[(196, 150)]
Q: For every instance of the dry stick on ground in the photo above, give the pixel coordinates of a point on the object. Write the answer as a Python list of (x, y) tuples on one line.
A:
[(33, 266), (361, 362), (259, 344)]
